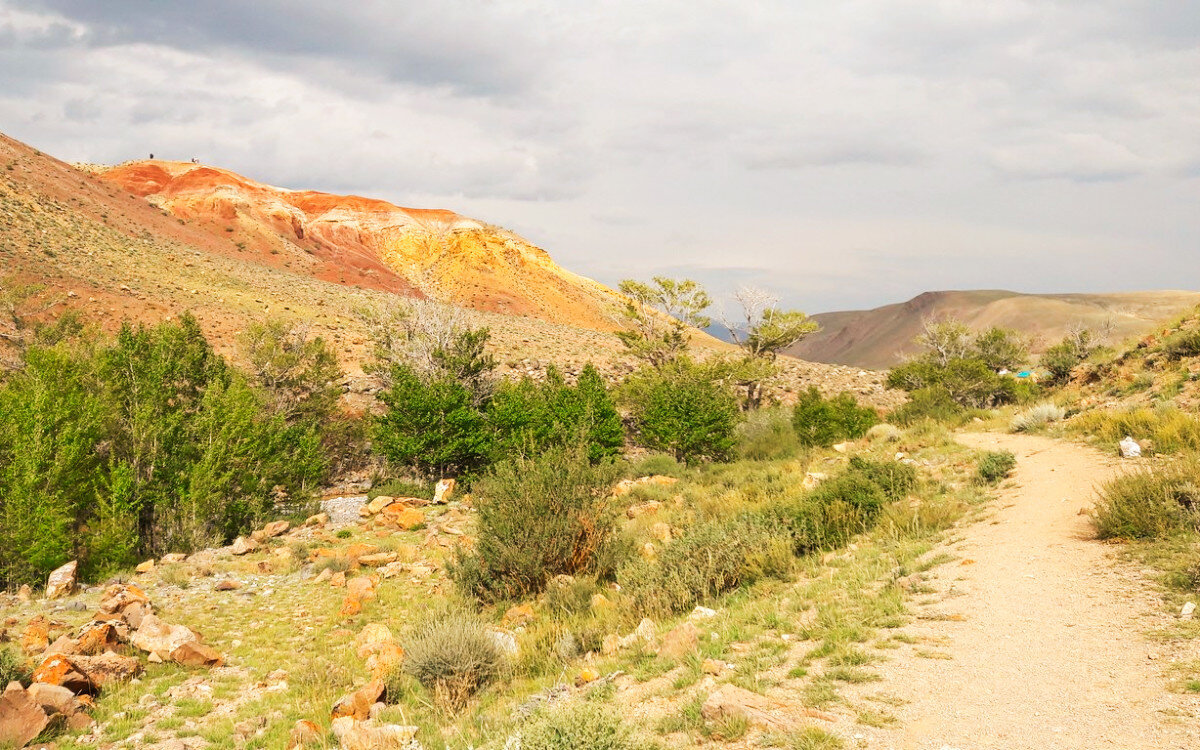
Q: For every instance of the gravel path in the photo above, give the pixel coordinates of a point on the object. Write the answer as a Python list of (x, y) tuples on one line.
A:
[(1043, 629)]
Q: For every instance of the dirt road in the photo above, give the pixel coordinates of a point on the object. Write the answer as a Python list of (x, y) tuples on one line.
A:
[(1036, 636)]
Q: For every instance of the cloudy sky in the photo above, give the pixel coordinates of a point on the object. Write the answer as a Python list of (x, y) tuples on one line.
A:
[(844, 154)]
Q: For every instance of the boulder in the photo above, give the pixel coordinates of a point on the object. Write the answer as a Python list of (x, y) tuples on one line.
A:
[(36, 636), (173, 557), (732, 702), (505, 642), (371, 638), (319, 519), (379, 559), (54, 699), (357, 705), (197, 654), (243, 546), (661, 532), (60, 669), (24, 593), (162, 638), (813, 478), (227, 585), (443, 491), (681, 641), (648, 508), (377, 505), (21, 717), (145, 567), (99, 636), (304, 734), (518, 615), (61, 582), (274, 529), (403, 517), (372, 735)]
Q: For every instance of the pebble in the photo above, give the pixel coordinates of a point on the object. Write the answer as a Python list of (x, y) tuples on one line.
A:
[(343, 510)]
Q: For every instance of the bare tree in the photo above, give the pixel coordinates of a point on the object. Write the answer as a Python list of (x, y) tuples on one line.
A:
[(764, 330), (946, 339)]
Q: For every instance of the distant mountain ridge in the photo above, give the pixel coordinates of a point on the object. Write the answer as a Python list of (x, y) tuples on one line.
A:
[(883, 337)]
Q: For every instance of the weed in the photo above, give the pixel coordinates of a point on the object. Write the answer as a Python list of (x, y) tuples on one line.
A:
[(1036, 417), (1153, 503), (576, 725), (995, 466), (454, 655)]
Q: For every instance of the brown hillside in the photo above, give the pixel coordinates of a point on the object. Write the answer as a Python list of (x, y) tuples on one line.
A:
[(444, 255), (882, 337), (114, 257)]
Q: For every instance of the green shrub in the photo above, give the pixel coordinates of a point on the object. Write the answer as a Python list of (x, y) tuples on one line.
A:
[(968, 382), (402, 488), (1168, 429), (933, 403), (454, 655), (844, 505), (532, 416), (1182, 344), (1060, 359), (540, 517), (1153, 503), (434, 425), (823, 422), (767, 434), (114, 452), (13, 667), (656, 464), (995, 466), (576, 725), (680, 410), (711, 558)]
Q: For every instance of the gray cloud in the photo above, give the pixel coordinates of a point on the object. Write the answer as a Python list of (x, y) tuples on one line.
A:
[(845, 154)]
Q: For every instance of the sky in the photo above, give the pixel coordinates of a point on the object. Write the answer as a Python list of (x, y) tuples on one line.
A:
[(840, 154)]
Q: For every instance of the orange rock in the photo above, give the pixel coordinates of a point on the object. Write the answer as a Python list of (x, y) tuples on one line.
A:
[(196, 654), (521, 614), (357, 705), (357, 550), (36, 637), (351, 606), (303, 734)]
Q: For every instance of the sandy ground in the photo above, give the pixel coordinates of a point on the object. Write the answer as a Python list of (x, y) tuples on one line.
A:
[(1044, 630)]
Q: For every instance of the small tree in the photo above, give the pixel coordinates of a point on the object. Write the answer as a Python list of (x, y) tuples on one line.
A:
[(1060, 359), (299, 372), (1000, 348), (657, 316), (945, 340), (763, 331), (685, 409)]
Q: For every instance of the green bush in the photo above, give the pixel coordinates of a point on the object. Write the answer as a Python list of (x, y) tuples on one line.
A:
[(711, 558), (434, 425), (534, 416), (1060, 359), (1168, 428), (1153, 503), (933, 403), (115, 452), (13, 667), (995, 466), (454, 655), (1182, 344), (823, 422), (970, 383), (540, 517), (656, 464), (844, 505), (767, 434), (576, 725), (680, 410)]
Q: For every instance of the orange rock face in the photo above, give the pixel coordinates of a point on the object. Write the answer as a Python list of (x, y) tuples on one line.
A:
[(373, 243)]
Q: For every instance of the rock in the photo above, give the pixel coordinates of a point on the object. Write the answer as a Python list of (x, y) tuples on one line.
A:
[(371, 735), (126, 601), (1130, 448), (585, 676), (505, 642), (229, 585), (173, 557), (145, 567), (1188, 611), (377, 505), (646, 631), (64, 645), (648, 508), (323, 576), (884, 433), (361, 587), (443, 491), (813, 478), (243, 546), (702, 613), (304, 733), (61, 582), (197, 654), (681, 641), (359, 549), (338, 580), (611, 645), (54, 699), (732, 702), (842, 447), (99, 636), (274, 529), (648, 552), (404, 518), (36, 636), (21, 718), (599, 601), (712, 667), (24, 593), (661, 532), (319, 519), (370, 638), (357, 705), (625, 486), (87, 674), (378, 559), (516, 616)]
